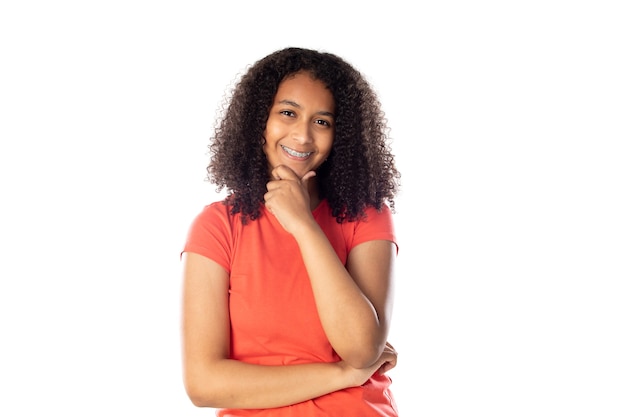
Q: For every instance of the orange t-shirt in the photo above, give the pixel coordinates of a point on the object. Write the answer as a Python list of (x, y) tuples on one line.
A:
[(274, 319)]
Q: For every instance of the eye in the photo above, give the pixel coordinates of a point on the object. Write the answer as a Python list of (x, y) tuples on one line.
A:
[(322, 122), (288, 113)]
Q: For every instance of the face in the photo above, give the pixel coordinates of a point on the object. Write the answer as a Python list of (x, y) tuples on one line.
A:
[(301, 124)]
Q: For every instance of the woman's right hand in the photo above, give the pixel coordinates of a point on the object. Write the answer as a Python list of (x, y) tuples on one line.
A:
[(358, 376)]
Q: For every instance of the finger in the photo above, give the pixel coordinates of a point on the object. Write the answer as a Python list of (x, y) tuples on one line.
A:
[(272, 185), (386, 367), (390, 346), (305, 178), (383, 368), (283, 172)]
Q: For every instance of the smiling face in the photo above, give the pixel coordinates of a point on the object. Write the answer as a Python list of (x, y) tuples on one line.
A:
[(301, 125)]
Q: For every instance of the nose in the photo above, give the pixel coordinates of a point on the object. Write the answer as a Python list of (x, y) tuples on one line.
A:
[(301, 132)]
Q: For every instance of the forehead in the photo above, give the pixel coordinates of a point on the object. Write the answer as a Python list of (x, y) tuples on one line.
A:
[(303, 88)]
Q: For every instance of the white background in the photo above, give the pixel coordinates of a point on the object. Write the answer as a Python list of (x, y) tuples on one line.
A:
[(508, 121)]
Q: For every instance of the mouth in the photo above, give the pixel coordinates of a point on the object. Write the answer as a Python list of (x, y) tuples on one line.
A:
[(295, 153)]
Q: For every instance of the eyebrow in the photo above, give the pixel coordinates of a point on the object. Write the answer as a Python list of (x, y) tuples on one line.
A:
[(296, 105)]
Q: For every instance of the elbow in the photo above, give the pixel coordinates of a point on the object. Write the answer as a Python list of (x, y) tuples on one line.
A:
[(362, 357), (198, 401), (200, 395), (361, 351), (197, 398), (204, 385)]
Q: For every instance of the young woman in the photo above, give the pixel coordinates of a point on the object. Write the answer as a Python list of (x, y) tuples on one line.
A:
[(288, 282)]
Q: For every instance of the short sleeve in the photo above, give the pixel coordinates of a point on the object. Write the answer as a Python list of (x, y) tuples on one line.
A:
[(377, 225), (210, 234)]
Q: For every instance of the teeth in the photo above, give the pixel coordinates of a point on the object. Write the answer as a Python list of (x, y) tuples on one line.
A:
[(296, 154)]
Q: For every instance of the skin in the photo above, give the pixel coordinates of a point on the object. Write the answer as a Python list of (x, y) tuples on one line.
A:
[(300, 129), (354, 301)]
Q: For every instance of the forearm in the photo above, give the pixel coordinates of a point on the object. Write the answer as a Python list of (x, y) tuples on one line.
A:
[(234, 384), (349, 318)]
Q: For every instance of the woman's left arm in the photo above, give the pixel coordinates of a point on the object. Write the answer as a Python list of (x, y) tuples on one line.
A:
[(355, 301)]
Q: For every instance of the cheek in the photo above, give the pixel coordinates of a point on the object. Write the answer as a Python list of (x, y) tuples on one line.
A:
[(272, 131), (328, 145), (268, 136)]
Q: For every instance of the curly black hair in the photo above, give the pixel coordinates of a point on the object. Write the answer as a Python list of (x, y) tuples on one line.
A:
[(360, 171)]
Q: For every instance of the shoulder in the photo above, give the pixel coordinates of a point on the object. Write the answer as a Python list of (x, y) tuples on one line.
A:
[(215, 210), (381, 215), (374, 225), (213, 219), (211, 233)]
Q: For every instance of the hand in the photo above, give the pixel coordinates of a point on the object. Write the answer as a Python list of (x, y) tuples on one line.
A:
[(387, 360), (392, 359), (287, 197)]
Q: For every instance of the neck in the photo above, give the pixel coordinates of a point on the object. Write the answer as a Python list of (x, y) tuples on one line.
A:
[(313, 193)]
